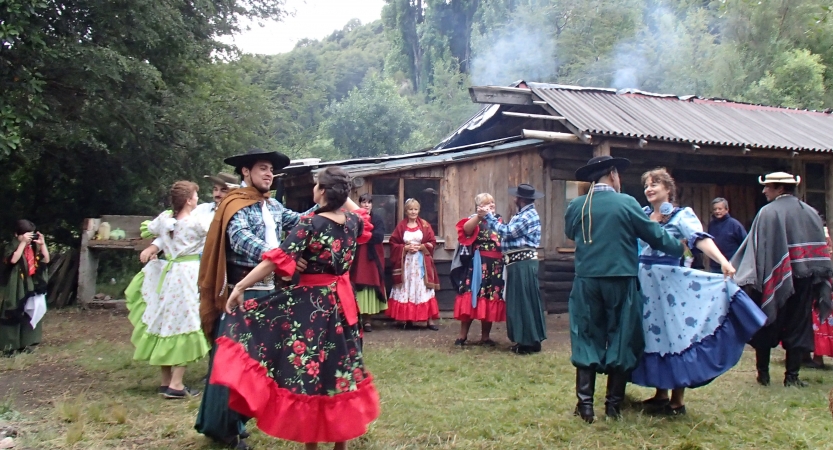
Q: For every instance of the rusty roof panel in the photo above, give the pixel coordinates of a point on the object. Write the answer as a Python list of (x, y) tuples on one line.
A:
[(689, 119)]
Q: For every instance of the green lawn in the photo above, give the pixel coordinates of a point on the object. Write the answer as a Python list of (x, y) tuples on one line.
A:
[(82, 390)]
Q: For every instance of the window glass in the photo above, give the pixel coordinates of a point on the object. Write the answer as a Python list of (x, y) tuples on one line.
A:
[(385, 201), (815, 177)]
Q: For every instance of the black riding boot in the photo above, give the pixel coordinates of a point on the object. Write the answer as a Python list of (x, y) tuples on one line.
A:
[(616, 383), (585, 387), (793, 365), (762, 364)]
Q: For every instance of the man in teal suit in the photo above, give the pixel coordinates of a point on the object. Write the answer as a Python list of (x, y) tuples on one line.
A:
[(605, 306)]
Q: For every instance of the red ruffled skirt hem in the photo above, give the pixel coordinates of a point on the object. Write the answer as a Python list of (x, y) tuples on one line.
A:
[(285, 415), (412, 312), (823, 334), (486, 310)]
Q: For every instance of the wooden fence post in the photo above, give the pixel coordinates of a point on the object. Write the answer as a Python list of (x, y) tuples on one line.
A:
[(87, 264)]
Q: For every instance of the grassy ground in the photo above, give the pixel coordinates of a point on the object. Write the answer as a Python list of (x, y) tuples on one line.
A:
[(81, 390)]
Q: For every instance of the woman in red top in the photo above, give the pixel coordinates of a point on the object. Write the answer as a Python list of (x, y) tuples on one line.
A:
[(482, 271), (368, 271), (412, 245)]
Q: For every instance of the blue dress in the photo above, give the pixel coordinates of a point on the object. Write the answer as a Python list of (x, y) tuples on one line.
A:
[(695, 323)]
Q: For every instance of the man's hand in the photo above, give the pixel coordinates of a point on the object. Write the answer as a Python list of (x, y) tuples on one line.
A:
[(148, 254)]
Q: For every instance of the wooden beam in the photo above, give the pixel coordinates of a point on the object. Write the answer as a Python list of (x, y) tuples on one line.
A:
[(717, 151), (603, 149), (533, 116), (552, 136), (500, 95), (585, 138), (87, 263)]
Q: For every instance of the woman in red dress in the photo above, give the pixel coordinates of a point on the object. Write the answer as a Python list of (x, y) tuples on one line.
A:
[(482, 271), (293, 359), (415, 280), (823, 330), (368, 271)]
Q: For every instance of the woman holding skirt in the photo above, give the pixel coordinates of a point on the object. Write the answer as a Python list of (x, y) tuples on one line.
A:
[(695, 323), (163, 299), (293, 359)]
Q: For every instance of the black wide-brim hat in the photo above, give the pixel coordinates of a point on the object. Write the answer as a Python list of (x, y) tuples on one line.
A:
[(596, 167), (278, 160), (525, 191)]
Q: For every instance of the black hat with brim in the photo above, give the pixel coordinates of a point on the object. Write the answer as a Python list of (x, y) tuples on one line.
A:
[(278, 160), (525, 191), (598, 166)]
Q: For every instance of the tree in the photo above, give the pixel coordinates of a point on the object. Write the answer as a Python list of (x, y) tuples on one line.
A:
[(797, 81), (372, 120)]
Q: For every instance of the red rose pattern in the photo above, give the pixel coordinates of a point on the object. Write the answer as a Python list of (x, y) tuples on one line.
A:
[(491, 283), (296, 357)]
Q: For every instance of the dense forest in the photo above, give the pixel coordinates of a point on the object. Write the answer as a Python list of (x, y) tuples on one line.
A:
[(104, 103)]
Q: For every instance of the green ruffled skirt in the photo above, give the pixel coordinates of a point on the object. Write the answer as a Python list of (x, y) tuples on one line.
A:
[(369, 302)]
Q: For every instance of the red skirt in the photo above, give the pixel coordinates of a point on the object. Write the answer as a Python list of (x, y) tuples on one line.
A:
[(823, 333), (486, 310), (413, 312)]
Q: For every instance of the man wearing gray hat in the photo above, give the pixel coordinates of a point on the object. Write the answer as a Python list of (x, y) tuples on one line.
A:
[(784, 265)]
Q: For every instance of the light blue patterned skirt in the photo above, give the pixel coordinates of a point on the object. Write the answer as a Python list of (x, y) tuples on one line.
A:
[(695, 323)]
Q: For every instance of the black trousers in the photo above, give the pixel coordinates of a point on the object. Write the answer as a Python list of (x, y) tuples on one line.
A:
[(793, 326)]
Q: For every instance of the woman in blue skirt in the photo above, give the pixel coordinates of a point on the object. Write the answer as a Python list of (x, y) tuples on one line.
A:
[(695, 323)]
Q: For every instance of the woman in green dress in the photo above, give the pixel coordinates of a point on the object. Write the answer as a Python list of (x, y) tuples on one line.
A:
[(23, 289)]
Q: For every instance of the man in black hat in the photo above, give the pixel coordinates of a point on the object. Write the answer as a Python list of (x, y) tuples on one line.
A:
[(519, 241), (605, 307), (246, 224)]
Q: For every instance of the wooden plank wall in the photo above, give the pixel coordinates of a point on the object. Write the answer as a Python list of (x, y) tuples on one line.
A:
[(698, 196)]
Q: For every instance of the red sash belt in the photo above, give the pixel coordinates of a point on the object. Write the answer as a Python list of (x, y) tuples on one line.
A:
[(491, 254), (344, 292)]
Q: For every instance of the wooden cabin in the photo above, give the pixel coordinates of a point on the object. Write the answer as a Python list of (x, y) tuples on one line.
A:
[(541, 133)]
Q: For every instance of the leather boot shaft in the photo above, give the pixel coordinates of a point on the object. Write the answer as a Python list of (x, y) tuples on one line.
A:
[(616, 384), (762, 364), (585, 388)]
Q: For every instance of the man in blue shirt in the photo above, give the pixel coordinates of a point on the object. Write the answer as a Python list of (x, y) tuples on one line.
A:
[(519, 241), (728, 233)]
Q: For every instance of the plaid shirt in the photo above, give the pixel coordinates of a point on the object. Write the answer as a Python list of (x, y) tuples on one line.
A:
[(246, 231), (602, 187), (523, 231)]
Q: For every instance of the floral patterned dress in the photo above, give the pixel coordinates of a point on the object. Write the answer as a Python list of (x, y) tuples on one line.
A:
[(293, 359), (412, 300), (488, 305), (163, 298), (823, 329)]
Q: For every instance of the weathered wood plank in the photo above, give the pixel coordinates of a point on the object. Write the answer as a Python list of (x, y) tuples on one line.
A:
[(88, 263)]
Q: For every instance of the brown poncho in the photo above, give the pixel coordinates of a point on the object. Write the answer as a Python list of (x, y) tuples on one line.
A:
[(212, 279), (786, 241)]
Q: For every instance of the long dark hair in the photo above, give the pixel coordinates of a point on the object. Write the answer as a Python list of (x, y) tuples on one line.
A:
[(336, 184)]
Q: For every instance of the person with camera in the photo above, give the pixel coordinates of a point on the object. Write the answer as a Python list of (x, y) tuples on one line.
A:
[(23, 289)]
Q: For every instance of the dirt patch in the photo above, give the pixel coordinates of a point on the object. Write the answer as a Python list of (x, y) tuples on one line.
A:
[(386, 332), (36, 380)]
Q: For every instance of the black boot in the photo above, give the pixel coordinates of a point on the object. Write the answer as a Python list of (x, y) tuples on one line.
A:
[(585, 387), (762, 364), (793, 365), (616, 383)]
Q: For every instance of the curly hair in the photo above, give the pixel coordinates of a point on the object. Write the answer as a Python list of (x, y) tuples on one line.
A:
[(660, 175), (479, 199), (336, 184)]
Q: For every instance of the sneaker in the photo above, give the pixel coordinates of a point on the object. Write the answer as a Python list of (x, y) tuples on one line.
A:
[(181, 393), (162, 390)]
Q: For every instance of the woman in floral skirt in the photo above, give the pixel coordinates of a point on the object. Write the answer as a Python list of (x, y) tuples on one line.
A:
[(293, 359), (412, 245), (480, 271)]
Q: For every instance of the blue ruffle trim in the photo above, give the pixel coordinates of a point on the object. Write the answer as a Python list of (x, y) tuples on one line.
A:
[(694, 238), (708, 358)]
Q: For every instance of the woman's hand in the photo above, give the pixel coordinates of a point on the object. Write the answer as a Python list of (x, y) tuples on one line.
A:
[(148, 254), (235, 299), (411, 248), (39, 239), (25, 238), (728, 270)]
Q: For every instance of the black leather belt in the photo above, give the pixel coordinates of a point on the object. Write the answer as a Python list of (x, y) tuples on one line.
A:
[(519, 255)]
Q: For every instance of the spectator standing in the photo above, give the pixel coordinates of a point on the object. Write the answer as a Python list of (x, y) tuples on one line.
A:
[(726, 231)]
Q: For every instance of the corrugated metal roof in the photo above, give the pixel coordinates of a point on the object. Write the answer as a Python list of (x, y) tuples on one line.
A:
[(691, 120)]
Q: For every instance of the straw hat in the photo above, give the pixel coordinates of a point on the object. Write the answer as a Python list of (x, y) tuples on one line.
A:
[(779, 178)]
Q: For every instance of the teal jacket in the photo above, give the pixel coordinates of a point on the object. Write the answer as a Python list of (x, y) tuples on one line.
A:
[(608, 245)]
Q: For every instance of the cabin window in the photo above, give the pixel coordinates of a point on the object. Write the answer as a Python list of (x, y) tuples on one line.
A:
[(814, 193), (389, 195)]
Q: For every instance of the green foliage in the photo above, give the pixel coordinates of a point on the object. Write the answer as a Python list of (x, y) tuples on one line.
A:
[(797, 81), (373, 120)]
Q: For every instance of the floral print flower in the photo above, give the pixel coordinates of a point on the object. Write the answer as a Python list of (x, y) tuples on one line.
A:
[(342, 384), (299, 347), (250, 304), (312, 369), (309, 334), (336, 246), (315, 246), (358, 375)]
